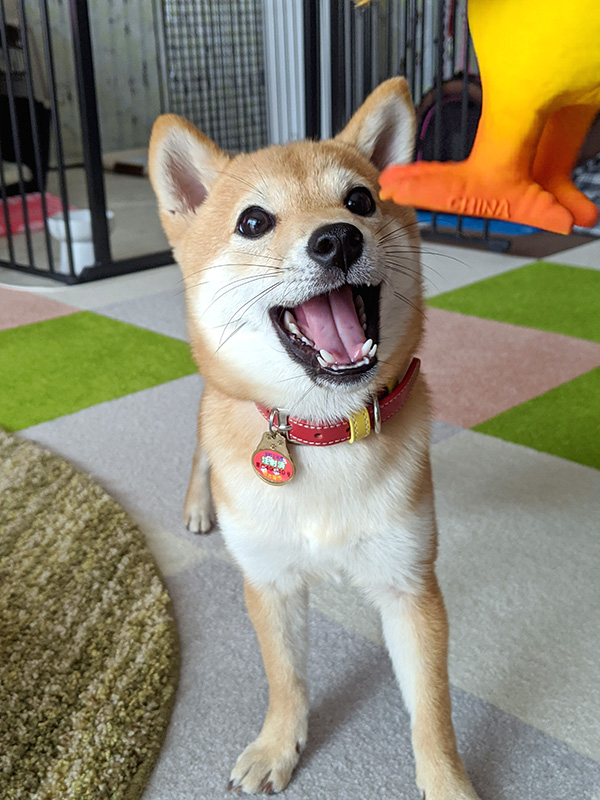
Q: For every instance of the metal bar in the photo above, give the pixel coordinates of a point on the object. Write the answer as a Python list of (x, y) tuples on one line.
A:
[(312, 69), (348, 52), (90, 129), (41, 182), (198, 64), (299, 88), (374, 45), (391, 31), (55, 118), (56, 276), (338, 71), (6, 212), (14, 125), (237, 72), (122, 266), (412, 39), (270, 45), (358, 57), (366, 16), (404, 67), (439, 74), (464, 102), (158, 22), (283, 68)]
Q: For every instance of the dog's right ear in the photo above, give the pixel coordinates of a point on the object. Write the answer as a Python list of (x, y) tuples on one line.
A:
[(183, 164)]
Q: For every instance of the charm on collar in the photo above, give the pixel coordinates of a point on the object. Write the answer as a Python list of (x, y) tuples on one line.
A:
[(271, 459)]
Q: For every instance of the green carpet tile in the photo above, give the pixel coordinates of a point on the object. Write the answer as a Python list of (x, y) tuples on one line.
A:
[(56, 367), (551, 297), (564, 421)]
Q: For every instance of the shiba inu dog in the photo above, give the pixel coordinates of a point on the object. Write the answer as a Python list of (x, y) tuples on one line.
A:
[(304, 305)]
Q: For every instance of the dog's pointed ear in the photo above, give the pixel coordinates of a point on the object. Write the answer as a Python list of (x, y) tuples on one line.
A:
[(383, 128), (183, 165)]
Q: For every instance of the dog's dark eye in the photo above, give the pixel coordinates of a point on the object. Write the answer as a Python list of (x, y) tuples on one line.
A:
[(360, 201), (254, 222)]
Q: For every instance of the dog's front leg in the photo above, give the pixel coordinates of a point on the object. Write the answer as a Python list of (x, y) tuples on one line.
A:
[(198, 510), (280, 620), (415, 627)]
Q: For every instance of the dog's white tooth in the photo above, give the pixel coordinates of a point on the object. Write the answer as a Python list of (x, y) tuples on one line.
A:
[(372, 352), (289, 320), (367, 346), (326, 355), (307, 341), (322, 362), (359, 302)]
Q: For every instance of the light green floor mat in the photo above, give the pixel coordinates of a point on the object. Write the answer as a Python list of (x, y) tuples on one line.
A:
[(56, 367), (551, 297)]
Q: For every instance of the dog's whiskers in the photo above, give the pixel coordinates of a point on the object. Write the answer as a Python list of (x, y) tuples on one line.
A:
[(247, 306)]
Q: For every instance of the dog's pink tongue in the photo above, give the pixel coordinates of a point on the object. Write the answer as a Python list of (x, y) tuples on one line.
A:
[(331, 322)]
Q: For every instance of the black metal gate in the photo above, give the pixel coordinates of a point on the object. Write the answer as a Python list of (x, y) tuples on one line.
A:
[(229, 65), (350, 49)]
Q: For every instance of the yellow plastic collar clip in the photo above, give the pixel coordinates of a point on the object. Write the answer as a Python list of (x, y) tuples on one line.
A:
[(360, 425)]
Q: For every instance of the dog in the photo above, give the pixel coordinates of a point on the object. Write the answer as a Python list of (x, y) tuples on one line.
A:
[(304, 305)]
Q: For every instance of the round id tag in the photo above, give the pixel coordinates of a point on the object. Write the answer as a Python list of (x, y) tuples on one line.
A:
[(272, 461)]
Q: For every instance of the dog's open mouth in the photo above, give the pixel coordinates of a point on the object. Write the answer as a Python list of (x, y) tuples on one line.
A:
[(335, 334)]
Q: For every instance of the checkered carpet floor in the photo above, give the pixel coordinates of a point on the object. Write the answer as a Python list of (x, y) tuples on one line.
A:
[(512, 355)]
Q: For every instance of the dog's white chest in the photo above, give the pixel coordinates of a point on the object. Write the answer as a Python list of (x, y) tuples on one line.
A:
[(341, 513)]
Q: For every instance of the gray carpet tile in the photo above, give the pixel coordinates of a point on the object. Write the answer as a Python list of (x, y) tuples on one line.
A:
[(443, 430), (139, 448), (359, 741), (163, 312)]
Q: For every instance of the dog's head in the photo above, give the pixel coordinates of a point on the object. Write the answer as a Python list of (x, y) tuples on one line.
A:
[(303, 288)]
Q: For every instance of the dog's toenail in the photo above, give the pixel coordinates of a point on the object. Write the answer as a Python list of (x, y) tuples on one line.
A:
[(298, 748), (269, 788)]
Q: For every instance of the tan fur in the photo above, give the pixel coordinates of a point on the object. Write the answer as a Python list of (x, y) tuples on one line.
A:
[(365, 509)]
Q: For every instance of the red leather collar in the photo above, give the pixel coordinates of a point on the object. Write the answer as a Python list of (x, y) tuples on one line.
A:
[(304, 432)]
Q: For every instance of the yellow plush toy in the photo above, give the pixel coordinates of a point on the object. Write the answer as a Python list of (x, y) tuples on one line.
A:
[(539, 62)]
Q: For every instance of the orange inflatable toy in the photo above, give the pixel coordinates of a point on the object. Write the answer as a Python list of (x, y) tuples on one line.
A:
[(539, 62)]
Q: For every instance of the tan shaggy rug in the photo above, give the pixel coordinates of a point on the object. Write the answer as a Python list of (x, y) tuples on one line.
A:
[(88, 646)]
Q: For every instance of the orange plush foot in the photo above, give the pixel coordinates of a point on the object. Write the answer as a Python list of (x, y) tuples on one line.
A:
[(457, 188), (585, 213)]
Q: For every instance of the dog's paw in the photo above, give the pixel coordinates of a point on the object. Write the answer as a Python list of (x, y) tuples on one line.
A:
[(264, 768), (449, 788), (199, 515)]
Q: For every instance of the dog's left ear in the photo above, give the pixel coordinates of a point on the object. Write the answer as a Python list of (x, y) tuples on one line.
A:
[(383, 128), (184, 166)]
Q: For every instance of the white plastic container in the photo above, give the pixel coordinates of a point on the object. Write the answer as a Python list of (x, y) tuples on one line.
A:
[(80, 227)]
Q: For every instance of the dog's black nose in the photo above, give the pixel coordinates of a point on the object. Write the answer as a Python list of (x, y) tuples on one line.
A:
[(338, 245)]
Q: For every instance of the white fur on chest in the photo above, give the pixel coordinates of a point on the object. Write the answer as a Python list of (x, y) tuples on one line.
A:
[(344, 512)]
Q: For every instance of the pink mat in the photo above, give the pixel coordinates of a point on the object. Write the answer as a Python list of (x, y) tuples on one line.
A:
[(23, 308), (477, 368), (34, 212)]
